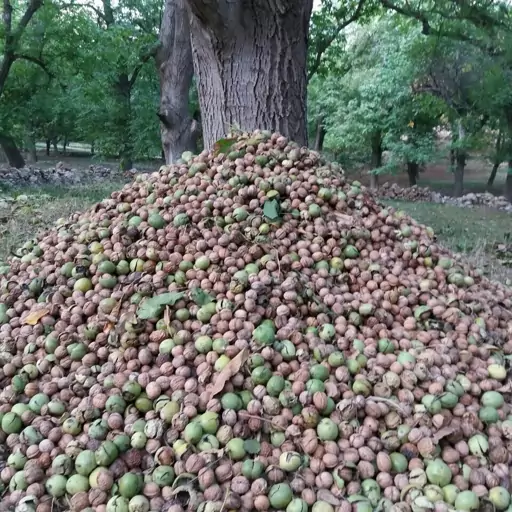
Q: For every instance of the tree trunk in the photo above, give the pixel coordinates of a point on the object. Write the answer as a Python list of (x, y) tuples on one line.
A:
[(179, 131), (320, 134), (250, 62), (452, 160), (458, 189), (55, 143), (494, 172), (65, 145), (412, 172), (14, 157), (508, 182), (48, 146), (460, 161), (498, 158), (124, 90), (376, 161), (92, 148), (32, 150), (5, 67)]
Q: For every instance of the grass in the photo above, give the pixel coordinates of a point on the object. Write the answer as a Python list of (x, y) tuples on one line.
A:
[(472, 232), (26, 212)]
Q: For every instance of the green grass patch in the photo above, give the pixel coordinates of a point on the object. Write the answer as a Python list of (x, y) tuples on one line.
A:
[(94, 192), (473, 232), (26, 212)]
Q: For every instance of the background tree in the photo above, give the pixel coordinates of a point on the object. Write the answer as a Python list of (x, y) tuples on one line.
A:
[(370, 106), (16, 19)]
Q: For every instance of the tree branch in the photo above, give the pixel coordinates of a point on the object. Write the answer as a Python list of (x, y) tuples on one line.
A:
[(324, 45), (36, 61), (143, 59), (207, 13), (480, 20), (97, 11), (7, 19), (32, 8), (410, 13)]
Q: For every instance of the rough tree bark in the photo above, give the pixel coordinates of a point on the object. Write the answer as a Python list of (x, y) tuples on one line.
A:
[(179, 131), (123, 87), (250, 63), (14, 157), (498, 158), (30, 145), (11, 35), (376, 159), (412, 172)]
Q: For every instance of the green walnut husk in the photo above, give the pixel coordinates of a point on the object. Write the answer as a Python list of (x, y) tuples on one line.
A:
[(280, 495)]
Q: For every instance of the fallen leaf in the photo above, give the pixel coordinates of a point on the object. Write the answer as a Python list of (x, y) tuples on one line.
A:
[(223, 145), (117, 308), (328, 496), (444, 432), (231, 369), (200, 297), (154, 307), (348, 220), (35, 316), (272, 209)]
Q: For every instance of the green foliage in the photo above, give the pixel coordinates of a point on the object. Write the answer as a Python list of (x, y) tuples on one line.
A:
[(373, 103), (90, 78), (406, 68), (382, 73)]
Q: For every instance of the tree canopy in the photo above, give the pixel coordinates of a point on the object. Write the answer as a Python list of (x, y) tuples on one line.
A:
[(382, 76)]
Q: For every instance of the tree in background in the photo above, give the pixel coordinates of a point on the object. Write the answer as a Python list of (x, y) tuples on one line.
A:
[(99, 82), (86, 71), (129, 35), (454, 73), (369, 106), (15, 19)]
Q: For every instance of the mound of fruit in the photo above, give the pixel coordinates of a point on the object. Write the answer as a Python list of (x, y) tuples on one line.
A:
[(248, 331)]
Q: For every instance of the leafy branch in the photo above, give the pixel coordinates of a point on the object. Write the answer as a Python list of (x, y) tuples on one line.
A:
[(35, 60), (324, 43), (484, 18)]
